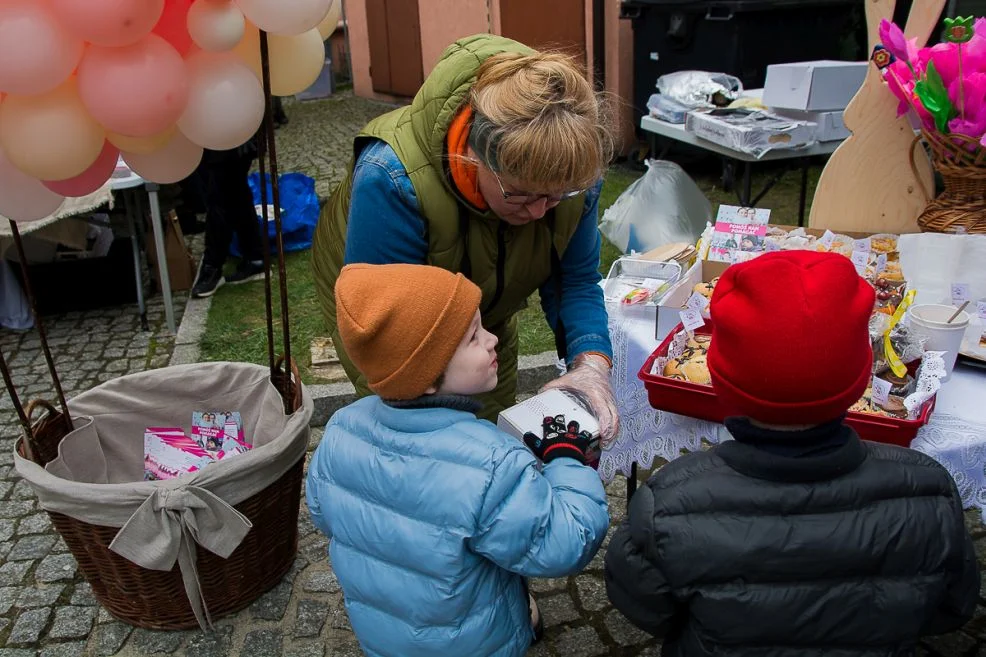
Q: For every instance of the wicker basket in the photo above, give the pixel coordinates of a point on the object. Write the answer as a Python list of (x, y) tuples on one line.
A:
[(961, 208), (155, 599)]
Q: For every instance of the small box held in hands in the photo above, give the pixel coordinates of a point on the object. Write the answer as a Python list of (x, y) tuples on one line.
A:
[(529, 417)]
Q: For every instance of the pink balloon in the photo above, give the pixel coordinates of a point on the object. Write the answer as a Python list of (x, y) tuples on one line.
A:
[(174, 162), (36, 53), (225, 101), (23, 198), (92, 178), (173, 26), (109, 22), (137, 90)]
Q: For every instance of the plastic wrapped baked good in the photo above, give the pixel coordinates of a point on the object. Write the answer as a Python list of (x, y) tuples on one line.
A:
[(689, 367)]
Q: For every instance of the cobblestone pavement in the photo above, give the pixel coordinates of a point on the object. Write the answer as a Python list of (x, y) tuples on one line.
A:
[(47, 610)]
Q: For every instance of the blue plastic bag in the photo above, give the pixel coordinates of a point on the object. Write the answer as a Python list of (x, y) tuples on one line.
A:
[(299, 211)]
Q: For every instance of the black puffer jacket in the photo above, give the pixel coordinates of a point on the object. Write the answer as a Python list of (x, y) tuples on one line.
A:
[(795, 545)]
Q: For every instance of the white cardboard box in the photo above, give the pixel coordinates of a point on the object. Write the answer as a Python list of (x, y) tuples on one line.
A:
[(749, 131), (669, 312), (829, 126), (813, 86), (530, 413)]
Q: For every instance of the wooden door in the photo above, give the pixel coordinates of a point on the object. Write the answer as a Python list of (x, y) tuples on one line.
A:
[(546, 24), (395, 46)]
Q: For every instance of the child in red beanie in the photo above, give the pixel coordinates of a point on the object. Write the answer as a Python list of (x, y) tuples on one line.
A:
[(796, 538)]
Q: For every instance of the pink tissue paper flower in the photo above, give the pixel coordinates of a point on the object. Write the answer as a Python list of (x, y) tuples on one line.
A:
[(900, 81), (973, 124), (893, 40)]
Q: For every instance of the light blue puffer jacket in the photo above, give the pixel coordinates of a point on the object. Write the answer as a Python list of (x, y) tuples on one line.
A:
[(433, 517)]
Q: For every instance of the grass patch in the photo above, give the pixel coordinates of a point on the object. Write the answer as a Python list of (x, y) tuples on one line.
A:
[(236, 329)]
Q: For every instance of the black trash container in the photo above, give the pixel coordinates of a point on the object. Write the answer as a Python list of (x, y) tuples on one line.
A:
[(739, 37)]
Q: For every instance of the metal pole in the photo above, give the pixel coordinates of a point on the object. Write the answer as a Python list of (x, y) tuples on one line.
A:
[(42, 334), (129, 201), (281, 270), (262, 153), (162, 262)]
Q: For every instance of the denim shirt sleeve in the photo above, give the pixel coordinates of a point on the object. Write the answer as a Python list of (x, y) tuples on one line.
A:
[(584, 312), (385, 222)]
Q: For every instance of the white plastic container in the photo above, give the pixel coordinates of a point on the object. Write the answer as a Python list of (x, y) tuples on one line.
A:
[(931, 321)]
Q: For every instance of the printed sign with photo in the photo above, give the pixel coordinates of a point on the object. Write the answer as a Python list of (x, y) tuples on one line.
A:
[(739, 233)]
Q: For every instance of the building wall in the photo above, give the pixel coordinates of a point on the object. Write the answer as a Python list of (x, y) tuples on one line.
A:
[(444, 21), (619, 71)]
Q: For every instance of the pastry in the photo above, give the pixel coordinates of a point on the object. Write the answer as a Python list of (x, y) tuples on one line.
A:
[(861, 405), (894, 407), (900, 386), (699, 341), (672, 370), (886, 244), (705, 289), (691, 366)]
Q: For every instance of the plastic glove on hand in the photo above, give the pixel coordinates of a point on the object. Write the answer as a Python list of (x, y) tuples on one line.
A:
[(589, 378), (558, 439)]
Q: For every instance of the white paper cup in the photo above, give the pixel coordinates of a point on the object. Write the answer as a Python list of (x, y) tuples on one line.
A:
[(931, 320)]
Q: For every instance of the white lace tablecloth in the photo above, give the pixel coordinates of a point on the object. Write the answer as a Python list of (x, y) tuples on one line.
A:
[(955, 435)]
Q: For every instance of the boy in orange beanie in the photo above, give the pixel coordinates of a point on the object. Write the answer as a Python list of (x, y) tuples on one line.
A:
[(435, 517), (796, 538)]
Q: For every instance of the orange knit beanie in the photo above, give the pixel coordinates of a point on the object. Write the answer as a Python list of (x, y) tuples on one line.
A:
[(401, 324)]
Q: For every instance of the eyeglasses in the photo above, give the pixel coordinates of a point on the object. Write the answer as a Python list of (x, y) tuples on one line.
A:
[(525, 198)]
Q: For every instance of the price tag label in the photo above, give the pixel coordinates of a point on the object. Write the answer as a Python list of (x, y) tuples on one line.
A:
[(859, 259), (863, 245), (881, 391), (960, 293), (692, 319), (697, 302), (881, 263), (827, 239), (981, 310)]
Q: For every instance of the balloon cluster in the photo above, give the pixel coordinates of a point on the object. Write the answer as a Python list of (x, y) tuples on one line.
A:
[(156, 81)]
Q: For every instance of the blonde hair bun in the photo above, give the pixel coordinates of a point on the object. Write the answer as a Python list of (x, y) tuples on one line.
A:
[(546, 125)]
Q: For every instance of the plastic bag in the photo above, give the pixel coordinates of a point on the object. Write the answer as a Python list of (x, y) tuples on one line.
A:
[(667, 109), (696, 89), (663, 206), (299, 211)]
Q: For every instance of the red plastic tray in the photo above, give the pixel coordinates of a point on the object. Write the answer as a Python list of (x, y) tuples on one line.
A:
[(699, 401)]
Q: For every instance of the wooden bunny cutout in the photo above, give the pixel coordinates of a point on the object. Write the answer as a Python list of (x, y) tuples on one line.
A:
[(869, 184)]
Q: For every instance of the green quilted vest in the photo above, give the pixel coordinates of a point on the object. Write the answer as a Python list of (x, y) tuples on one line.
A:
[(507, 262)]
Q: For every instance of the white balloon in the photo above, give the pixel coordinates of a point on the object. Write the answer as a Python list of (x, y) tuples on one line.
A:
[(23, 198), (286, 18), (295, 62), (215, 25), (173, 162), (331, 20), (225, 101)]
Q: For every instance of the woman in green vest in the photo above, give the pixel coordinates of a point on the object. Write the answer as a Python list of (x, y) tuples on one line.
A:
[(493, 170)]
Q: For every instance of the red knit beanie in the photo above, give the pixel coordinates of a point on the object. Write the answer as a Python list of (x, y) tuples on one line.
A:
[(790, 337)]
